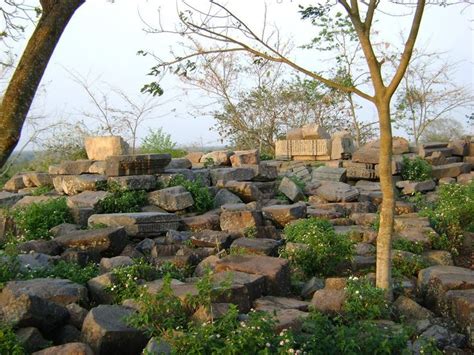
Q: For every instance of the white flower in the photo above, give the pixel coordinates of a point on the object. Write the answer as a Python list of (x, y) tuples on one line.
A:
[(282, 343), (267, 345)]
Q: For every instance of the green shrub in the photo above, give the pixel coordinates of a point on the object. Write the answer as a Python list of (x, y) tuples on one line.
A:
[(121, 200), (203, 200), (451, 214), (34, 221), (266, 156), (9, 269), (325, 250), (408, 245), (40, 191), (127, 278), (324, 335), (408, 265), (65, 270), (9, 343), (158, 141), (364, 300), (209, 162), (416, 169)]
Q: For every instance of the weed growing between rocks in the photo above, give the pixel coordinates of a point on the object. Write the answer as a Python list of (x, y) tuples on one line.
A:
[(203, 200), (9, 343), (35, 220), (407, 245), (409, 266), (318, 250), (41, 191), (416, 169), (121, 200)]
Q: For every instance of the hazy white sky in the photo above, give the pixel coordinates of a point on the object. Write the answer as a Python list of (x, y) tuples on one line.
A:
[(102, 40)]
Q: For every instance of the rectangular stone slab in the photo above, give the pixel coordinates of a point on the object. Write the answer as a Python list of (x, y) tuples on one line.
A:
[(138, 223), (141, 164)]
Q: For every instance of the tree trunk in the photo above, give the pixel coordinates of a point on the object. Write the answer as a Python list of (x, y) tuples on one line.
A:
[(25, 80), (384, 238)]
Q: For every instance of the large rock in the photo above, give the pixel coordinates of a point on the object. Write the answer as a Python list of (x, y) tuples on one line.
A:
[(141, 224), (410, 187), (60, 291), (314, 131), (8, 199), (14, 184), (337, 192), (67, 349), (245, 157), (106, 331), (342, 145), (29, 200), (71, 167), (134, 182), (224, 197), (213, 239), (208, 221), (265, 172), (100, 148), (450, 170), (261, 246), (459, 147), (228, 174), (194, 157), (281, 215), (247, 191), (460, 306), (329, 300), (86, 199), (370, 152), (291, 190), (239, 220), (180, 163), (275, 270), (220, 157), (31, 339), (35, 179), (107, 241), (324, 173), (140, 164), (74, 184), (171, 199)]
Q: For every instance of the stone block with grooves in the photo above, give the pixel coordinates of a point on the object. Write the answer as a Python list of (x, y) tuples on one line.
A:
[(100, 148), (141, 224), (141, 164), (324, 173), (232, 174)]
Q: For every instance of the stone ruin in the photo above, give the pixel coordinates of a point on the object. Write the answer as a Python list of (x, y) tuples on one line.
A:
[(244, 189)]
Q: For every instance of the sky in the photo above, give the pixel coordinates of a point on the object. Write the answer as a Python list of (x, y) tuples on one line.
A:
[(102, 40)]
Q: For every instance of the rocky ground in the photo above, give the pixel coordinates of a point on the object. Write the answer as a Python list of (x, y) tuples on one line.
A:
[(242, 235)]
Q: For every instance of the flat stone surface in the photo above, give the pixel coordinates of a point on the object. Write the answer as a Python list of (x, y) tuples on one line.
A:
[(281, 215), (275, 270), (239, 220), (139, 223), (219, 157), (141, 164), (245, 157), (324, 173), (209, 221), (450, 170), (74, 184), (247, 191), (337, 192), (329, 301), (71, 167), (28, 200), (272, 303), (75, 348), (107, 241), (291, 190), (217, 239), (232, 174), (461, 309), (106, 331), (224, 197), (86, 199), (8, 199)]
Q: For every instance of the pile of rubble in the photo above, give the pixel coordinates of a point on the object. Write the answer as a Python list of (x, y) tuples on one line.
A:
[(245, 190)]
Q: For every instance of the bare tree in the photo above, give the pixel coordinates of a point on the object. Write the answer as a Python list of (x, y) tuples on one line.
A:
[(115, 111), (428, 93), (227, 32)]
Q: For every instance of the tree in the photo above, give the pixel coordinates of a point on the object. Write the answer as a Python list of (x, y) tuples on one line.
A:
[(17, 99), (443, 130), (428, 94), (226, 32)]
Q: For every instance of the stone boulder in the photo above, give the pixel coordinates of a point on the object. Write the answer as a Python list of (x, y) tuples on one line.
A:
[(247, 191), (171, 199), (35, 179), (337, 192), (324, 173), (291, 190), (245, 157), (410, 187), (8, 199), (14, 184), (106, 241), (239, 220), (100, 148), (180, 163), (232, 174), (139, 164), (86, 199), (194, 157), (261, 246), (224, 197), (450, 170), (281, 215), (314, 131), (106, 331), (75, 348), (134, 182), (74, 184), (220, 157)]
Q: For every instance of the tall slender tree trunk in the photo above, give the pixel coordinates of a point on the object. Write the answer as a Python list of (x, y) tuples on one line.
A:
[(384, 238), (21, 90)]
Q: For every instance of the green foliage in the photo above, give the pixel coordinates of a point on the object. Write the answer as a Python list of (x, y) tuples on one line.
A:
[(34, 221), (408, 265), (416, 169), (209, 162), (324, 335), (65, 270), (126, 279), (451, 214), (266, 156), (158, 141), (407, 245), (203, 200), (9, 269), (325, 250), (250, 232), (364, 300), (121, 200), (376, 224), (9, 343), (42, 190), (300, 183)]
